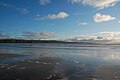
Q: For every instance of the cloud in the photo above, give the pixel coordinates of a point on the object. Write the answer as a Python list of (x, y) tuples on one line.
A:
[(48, 34), (100, 37), (83, 23), (4, 36), (97, 3), (75, 1), (38, 35), (21, 10), (5, 5), (101, 18), (60, 15), (44, 2), (82, 38), (112, 34), (94, 39), (29, 35), (38, 17), (118, 21)]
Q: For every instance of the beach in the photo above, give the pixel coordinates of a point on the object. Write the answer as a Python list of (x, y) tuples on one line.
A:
[(58, 63), (41, 69)]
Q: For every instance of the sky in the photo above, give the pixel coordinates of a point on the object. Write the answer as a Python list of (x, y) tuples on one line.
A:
[(60, 19)]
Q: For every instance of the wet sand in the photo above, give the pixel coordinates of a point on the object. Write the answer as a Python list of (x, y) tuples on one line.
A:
[(4, 56), (108, 72), (41, 69), (45, 68), (51, 68)]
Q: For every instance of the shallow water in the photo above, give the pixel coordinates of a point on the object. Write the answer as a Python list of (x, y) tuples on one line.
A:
[(91, 57)]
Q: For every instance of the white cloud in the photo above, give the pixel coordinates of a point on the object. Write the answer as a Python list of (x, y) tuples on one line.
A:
[(21, 10), (5, 5), (48, 34), (37, 17), (44, 2), (83, 23), (85, 37), (112, 34), (118, 21), (60, 15), (100, 37), (38, 35), (94, 39), (4, 36), (97, 3), (76, 1), (101, 18)]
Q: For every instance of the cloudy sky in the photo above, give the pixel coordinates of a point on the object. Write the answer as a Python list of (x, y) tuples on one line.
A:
[(60, 19)]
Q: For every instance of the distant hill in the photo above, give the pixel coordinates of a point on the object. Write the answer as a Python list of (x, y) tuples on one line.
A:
[(37, 41), (28, 41), (48, 41)]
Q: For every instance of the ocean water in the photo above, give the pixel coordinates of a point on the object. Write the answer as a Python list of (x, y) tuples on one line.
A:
[(93, 58)]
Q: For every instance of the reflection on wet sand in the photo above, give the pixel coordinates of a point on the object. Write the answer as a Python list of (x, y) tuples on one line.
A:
[(46, 68), (108, 72), (41, 69), (83, 63)]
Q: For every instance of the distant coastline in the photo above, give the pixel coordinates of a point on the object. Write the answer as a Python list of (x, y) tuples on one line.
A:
[(48, 41), (37, 41), (32, 41)]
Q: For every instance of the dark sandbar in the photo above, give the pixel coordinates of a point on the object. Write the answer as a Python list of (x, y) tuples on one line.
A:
[(4, 55)]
